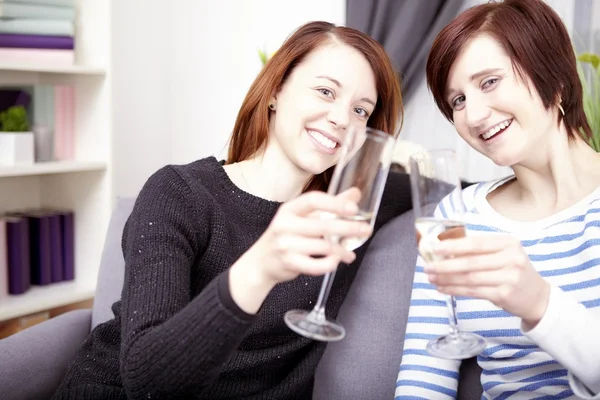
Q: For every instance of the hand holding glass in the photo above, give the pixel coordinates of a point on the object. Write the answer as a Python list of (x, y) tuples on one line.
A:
[(364, 163), (434, 176)]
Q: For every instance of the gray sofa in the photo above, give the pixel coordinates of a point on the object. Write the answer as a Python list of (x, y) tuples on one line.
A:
[(362, 366)]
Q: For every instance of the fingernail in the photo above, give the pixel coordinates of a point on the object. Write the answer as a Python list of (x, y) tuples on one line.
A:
[(429, 269)]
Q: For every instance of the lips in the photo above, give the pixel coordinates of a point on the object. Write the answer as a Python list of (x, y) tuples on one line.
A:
[(323, 140), (495, 130)]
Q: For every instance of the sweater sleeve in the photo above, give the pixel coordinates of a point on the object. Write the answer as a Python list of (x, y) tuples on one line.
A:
[(423, 376), (569, 332), (172, 343)]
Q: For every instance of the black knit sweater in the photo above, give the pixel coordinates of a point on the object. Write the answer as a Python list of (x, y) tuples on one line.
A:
[(177, 333)]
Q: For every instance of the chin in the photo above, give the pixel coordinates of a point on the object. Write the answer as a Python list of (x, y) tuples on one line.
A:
[(507, 161), (314, 167)]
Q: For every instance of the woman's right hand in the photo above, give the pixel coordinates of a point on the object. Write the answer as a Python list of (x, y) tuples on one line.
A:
[(294, 237)]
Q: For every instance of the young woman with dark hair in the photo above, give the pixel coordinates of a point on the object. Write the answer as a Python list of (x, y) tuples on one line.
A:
[(527, 275)]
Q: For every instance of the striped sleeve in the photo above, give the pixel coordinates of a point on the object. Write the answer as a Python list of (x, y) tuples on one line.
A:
[(421, 375), (569, 333)]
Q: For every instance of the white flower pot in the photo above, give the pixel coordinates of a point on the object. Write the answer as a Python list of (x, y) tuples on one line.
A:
[(16, 148)]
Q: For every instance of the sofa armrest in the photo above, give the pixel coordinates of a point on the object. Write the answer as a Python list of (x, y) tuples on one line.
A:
[(34, 361)]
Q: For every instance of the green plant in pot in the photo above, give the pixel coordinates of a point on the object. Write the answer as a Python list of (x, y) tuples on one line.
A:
[(589, 73), (14, 119), (17, 144)]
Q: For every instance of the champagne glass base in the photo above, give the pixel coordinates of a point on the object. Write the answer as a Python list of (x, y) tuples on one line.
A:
[(460, 346), (304, 323)]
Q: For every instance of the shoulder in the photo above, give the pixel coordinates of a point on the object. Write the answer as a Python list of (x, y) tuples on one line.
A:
[(178, 190), (183, 180)]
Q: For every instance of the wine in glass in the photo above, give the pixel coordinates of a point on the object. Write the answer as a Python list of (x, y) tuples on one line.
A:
[(364, 163), (435, 180)]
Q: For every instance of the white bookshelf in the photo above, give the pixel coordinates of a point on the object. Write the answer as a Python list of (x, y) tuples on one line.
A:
[(54, 167), (41, 298), (67, 70), (84, 185)]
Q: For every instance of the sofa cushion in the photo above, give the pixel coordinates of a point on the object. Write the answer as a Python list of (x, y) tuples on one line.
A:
[(365, 364), (112, 265)]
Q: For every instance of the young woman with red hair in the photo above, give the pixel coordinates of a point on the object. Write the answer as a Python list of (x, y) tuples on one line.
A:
[(216, 252), (527, 276)]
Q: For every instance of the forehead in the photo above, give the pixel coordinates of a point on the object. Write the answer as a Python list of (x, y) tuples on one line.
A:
[(479, 53), (340, 62)]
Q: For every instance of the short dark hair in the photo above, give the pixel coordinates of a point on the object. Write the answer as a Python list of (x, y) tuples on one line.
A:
[(537, 42)]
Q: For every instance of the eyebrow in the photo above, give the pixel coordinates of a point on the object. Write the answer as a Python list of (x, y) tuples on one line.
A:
[(338, 84), (477, 76)]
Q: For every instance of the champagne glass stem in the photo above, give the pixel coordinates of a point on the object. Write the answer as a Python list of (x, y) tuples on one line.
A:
[(452, 316), (318, 312)]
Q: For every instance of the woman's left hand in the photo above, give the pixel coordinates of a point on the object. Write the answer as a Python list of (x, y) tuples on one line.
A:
[(494, 268)]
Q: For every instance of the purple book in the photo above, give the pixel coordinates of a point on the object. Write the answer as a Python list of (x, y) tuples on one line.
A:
[(36, 41), (39, 248), (14, 97), (56, 248), (67, 227), (17, 240), (3, 260)]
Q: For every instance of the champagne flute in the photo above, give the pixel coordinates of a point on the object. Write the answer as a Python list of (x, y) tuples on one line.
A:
[(364, 163), (434, 178)]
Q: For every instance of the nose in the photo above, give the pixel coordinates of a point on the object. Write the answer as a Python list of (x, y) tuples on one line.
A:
[(338, 115), (477, 111)]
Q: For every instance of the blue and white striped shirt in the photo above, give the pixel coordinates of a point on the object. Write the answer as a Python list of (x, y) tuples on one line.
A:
[(548, 362)]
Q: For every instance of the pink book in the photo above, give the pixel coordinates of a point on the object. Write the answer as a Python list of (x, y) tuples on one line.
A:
[(64, 127), (38, 57)]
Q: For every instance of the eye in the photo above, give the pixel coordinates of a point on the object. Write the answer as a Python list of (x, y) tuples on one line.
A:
[(326, 92), (458, 101), (490, 82), (362, 112)]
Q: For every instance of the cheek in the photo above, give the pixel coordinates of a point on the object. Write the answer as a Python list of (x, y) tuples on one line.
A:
[(461, 127)]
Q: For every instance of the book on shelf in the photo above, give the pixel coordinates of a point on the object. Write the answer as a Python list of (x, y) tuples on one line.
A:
[(64, 118), (14, 97), (22, 41), (65, 3), (45, 57), (17, 240), (36, 26), (18, 9), (3, 261), (40, 248)]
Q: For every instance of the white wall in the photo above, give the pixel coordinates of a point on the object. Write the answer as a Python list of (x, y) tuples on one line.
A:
[(180, 72)]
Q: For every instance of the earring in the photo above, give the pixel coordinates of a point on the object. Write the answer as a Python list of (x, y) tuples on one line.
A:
[(562, 110), (272, 107)]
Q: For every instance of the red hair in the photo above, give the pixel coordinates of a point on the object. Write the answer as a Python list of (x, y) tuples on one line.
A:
[(251, 130), (536, 41)]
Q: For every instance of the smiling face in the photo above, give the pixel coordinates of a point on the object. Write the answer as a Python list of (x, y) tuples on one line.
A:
[(494, 111), (332, 90)]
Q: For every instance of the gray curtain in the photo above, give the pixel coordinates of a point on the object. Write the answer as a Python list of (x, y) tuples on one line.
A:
[(405, 28)]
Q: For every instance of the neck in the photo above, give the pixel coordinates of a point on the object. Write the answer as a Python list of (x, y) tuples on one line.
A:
[(272, 176), (563, 174)]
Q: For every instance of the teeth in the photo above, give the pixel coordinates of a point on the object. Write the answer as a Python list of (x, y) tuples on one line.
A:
[(493, 131), (330, 144)]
